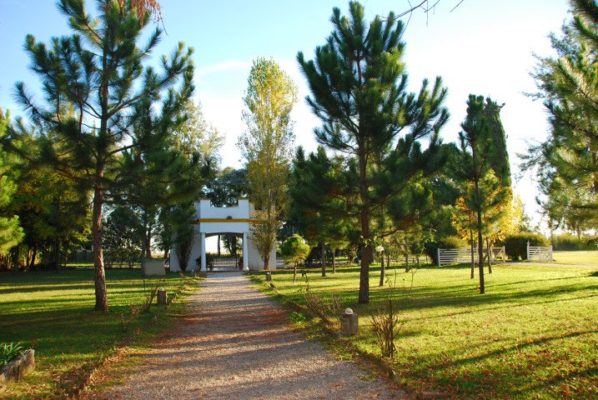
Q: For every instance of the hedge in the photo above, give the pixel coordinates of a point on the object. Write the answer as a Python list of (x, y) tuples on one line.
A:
[(516, 245)]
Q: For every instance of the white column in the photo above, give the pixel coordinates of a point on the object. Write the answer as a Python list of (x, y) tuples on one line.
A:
[(203, 252), (245, 253)]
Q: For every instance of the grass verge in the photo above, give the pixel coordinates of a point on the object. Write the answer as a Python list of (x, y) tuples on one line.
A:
[(52, 313), (533, 335)]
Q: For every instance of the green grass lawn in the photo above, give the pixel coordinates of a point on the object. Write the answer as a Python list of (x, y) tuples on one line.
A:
[(52, 312), (589, 258), (534, 334)]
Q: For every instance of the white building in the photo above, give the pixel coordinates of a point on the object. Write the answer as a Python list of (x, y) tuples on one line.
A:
[(210, 220)]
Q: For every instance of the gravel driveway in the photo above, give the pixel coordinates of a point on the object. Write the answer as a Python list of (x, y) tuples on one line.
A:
[(235, 343)]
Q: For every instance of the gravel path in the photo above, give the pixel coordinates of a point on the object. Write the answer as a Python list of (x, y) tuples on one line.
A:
[(235, 343)]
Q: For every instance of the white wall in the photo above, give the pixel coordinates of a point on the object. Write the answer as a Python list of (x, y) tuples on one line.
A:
[(204, 209)]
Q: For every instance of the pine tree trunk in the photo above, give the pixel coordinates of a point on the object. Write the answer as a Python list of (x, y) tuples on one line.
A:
[(218, 245), (98, 256), (471, 275), (294, 272), (481, 254), (381, 269), (333, 261), (489, 250), (323, 259), (364, 217)]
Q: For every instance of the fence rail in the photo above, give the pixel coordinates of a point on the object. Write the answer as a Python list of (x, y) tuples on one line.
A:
[(539, 253), (463, 255)]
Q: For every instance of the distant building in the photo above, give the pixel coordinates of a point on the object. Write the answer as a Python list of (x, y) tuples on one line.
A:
[(211, 220)]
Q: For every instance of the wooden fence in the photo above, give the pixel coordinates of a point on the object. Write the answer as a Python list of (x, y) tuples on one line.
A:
[(539, 253), (462, 255)]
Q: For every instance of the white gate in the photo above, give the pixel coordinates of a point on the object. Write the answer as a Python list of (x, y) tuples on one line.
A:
[(462, 255), (539, 253)]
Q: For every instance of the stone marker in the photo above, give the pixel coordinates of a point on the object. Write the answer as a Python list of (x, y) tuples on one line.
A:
[(349, 323), (162, 297)]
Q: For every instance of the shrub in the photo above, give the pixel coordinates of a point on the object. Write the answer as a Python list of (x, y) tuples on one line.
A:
[(9, 351), (449, 242), (516, 245), (567, 241)]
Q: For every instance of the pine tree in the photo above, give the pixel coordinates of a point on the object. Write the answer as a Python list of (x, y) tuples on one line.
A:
[(10, 231), (568, 161), (98, 72), (359, 91), (318, 201), (484, 169)]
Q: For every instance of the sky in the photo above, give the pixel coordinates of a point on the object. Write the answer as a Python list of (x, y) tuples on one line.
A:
[(483, 47)]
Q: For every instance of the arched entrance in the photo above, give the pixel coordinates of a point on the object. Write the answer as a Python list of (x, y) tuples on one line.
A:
[(212, 220)]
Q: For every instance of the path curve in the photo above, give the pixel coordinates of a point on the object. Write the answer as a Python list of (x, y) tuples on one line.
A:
[(235, 343)]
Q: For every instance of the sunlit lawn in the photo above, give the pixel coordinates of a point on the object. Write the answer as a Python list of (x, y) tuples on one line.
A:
[(52, 312), (534, 334), (576, 257)]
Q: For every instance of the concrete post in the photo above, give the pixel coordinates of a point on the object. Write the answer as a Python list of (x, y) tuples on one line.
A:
[(245, 253), (349, 323), (162, 297), (203, 253)]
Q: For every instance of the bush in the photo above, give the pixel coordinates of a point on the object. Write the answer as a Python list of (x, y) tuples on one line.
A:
[(516, 245), (449, 242), (9, 351), (567, 241)]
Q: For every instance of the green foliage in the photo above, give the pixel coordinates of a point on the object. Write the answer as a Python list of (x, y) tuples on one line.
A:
[(319, 191), (516, 245), (567, 241), (484, 174), (9, 351), (123, 237), (178, 231), (267, 147), (97, 94), (10, 231), (567, 163), (359, 91), (228, 186), (295, 249)]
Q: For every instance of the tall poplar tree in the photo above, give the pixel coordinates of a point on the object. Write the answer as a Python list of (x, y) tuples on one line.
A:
[(98, 72), (359, 90), (267, 147)]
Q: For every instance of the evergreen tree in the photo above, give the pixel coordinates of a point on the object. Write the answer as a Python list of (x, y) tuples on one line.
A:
[(568, 161), (98, 72), (10, 231), (484, 169), (318, 201), (295, 250), (359, 91)]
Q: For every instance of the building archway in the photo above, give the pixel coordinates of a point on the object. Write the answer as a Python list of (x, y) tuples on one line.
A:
[(214, 220)]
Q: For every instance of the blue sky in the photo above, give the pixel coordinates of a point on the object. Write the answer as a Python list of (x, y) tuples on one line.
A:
[(483, 47)]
